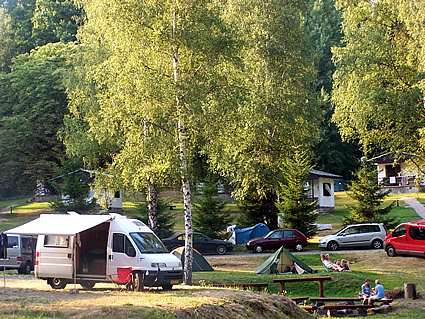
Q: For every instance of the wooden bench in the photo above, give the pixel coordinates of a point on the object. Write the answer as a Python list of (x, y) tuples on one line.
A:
[(258, 285), (283, 281), (299, 300), (385, 301), (339, 299), (328, 307)]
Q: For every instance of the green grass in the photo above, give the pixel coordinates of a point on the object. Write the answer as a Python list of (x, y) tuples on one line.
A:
[(23, 213)]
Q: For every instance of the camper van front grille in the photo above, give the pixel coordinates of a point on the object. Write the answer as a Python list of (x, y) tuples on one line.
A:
[(173, 275)]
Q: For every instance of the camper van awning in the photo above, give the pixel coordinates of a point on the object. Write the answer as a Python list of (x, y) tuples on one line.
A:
[(55, 224)]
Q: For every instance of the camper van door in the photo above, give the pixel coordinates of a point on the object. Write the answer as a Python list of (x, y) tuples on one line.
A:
[(55, 256), (121, 253)]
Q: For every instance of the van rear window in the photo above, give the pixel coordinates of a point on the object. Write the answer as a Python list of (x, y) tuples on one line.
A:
[(417, 233), (12, 242), (56, 241)]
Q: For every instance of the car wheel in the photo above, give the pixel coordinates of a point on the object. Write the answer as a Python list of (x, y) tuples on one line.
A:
[(333, 245), (138, 283), (167, 287), (57, 283), (258, 249), (391, 251), (377, 244), (298, 247), (26, 269), (221, 249), (87, 284)]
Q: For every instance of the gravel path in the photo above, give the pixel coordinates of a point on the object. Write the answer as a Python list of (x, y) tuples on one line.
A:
[(414, 203)]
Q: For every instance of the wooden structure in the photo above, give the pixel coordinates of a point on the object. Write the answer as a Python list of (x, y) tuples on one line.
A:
[(283, 281)]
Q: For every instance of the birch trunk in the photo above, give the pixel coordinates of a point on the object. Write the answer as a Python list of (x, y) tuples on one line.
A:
[(152, 207), (188, 252)]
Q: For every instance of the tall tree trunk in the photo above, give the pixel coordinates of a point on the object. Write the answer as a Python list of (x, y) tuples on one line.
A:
[(152, 206), (183, 168)]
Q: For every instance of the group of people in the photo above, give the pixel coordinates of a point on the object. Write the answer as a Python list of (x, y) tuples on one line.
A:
[(372, 294), (338, 265)]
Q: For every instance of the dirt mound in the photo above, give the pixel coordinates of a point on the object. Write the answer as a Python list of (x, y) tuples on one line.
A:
[(247, 305)]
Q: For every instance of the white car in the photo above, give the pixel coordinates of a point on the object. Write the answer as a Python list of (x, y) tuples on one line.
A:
[(359, 235)]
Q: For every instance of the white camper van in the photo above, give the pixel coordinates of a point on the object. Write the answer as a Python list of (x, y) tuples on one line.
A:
[(87, 249)]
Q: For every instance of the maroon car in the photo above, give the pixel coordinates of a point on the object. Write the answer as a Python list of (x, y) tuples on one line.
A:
[(288, 238)]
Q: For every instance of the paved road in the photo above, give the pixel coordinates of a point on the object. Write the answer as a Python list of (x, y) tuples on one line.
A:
[(414, 203)]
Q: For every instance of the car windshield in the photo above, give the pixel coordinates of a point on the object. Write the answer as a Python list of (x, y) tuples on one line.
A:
[(148, 243)]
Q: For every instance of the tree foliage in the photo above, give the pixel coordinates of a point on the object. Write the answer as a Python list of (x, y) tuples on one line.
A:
[(296, 211), (73, 186), (369, 196), (378, 85), (33, 106), (271, 105), (209, 216)]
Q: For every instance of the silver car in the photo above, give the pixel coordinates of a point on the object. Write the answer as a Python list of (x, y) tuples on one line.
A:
[(359, 235)]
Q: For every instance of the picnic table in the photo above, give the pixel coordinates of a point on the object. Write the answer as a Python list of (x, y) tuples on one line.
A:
[(283, 281), (258, 285)]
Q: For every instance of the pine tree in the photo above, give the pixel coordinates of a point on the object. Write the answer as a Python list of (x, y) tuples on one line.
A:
[(209, 217), (368, 194), (297, 212)]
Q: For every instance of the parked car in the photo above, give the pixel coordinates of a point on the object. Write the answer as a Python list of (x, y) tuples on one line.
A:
[(20, 253), (288, 238), (407, 239), (201, 243), (359, 235)]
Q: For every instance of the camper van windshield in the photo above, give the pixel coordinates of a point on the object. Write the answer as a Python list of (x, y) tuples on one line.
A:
[(148, 243)]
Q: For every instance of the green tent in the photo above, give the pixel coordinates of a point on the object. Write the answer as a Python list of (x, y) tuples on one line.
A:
[(282, 261), (199, 263)]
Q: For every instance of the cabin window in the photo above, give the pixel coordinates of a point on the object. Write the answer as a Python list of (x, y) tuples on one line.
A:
[(327, 190), (56, 241)]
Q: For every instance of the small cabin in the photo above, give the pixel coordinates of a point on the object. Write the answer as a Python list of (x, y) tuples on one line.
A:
[(320, 187)]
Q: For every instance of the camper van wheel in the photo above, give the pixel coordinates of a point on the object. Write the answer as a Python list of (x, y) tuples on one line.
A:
[(333, 245), (298, 247), (167, 287), (26, 269), (258, 248), (377, 244), (57, 283), (391, 251), (221, 249), (138, 281), (87, 284)]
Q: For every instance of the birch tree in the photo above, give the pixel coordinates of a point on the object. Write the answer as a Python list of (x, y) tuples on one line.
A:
[(160, 67)]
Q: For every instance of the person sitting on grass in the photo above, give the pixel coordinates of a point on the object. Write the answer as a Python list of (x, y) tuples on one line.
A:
[(378, 293), (338, 265), (366, 291)]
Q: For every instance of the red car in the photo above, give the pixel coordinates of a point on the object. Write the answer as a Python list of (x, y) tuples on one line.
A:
[(407, 239), (288, 238)]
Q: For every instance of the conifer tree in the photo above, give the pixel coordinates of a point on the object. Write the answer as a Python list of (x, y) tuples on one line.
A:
[(369, 195)]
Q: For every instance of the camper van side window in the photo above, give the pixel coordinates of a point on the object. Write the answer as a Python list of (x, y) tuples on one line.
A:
[(121, 244), (118, 244), (56, 241), (12, 242)]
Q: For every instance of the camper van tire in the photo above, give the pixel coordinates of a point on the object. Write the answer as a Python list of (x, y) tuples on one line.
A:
[(333, 245), (57, 283), (258, 249), (221, 249), (138, 281), (298, 247), (26, 269), (87, 284)]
